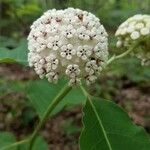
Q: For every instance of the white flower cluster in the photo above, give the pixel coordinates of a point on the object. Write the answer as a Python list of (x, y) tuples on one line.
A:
[(136, 29), (67, 42)]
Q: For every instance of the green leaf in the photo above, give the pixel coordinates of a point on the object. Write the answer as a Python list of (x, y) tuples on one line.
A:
[(7, 41), (41, 93), (18, 54), (108, 127), (6, 139), (39, 144)]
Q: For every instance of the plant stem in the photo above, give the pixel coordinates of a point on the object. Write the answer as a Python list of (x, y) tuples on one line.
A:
[(15, 144), (50, 108), (114, 57)]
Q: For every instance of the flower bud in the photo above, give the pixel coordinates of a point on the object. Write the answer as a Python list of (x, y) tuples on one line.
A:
[(136, 29)]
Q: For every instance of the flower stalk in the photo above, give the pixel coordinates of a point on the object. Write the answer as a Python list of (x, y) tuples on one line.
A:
[(50, 108), (115, 57)]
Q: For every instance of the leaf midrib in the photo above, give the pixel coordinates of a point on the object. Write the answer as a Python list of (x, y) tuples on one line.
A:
[(97, 116), (100, 123)]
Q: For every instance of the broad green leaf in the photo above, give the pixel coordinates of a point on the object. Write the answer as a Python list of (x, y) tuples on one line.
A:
[(41, 94), (18, 54), (108, 127), (6, 139), (40, 144)]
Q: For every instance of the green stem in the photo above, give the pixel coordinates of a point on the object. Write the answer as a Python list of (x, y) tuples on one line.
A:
[(15, 144), (114, 57), (50, 108)]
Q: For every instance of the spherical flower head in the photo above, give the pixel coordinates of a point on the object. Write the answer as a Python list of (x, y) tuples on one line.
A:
[(136, 29), (68, 42)]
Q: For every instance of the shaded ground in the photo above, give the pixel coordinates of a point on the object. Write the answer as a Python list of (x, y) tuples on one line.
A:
[(62, 131)]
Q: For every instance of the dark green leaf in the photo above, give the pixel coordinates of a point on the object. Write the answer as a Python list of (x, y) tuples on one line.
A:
[(108, 127)]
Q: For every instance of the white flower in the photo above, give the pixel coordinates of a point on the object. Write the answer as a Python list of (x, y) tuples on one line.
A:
[(139, 26), (46, 19), (90, 79), (119, 43), (136, 29), (69, 31), (71, 19), (99, 34), (52, 76), (36, 47), (54, 42), (145, 31), (63, 42), (72, 70), (82, 33), (91, 67), (84, 52), (51, 28), (135, 35), (52, 63), (39, 67), (130, 28), (99, 50), (67, 51), (74, 81)]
